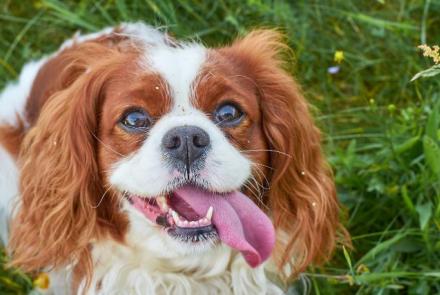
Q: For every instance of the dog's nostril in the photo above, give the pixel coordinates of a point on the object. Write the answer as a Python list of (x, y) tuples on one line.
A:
[(175, 142), (200, 140), (172, 142)]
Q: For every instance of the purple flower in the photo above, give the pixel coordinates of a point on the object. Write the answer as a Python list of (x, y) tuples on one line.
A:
[(333, 70)]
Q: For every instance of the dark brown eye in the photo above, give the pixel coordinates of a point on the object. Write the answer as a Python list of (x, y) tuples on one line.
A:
[(136, 121), (228, 115)]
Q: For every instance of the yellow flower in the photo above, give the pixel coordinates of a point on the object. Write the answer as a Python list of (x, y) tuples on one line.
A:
[(432, 52), (339, 56), (362, 268), (42, 281)]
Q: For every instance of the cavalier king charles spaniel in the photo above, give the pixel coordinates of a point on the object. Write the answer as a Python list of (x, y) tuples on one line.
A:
[(133, 163)]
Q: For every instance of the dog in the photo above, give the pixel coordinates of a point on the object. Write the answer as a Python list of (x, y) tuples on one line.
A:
[(134, 163)]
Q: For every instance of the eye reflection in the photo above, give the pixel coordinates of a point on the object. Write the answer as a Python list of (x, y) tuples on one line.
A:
[(135, 121), (228, 115)]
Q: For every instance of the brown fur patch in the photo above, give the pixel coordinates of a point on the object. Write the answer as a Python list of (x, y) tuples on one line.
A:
[(302, 196), (62, 70), (67, 200), (223, 81), (75, 137)]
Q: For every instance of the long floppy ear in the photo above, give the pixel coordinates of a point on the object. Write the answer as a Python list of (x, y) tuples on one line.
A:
[(60, 184), (302, 194)]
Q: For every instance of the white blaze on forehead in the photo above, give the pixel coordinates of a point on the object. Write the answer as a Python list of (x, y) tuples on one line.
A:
[(148, 172), (179, 67)]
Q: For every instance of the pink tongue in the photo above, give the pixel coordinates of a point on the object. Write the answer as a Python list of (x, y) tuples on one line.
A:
[(239, 222)]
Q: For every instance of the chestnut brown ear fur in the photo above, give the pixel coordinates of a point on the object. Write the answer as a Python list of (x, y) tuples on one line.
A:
[(60, 186), (302, 196)]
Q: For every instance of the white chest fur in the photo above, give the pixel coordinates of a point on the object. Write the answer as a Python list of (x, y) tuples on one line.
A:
[(126, 270)]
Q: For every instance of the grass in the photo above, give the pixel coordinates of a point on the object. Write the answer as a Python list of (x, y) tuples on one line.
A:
[(381, 130)]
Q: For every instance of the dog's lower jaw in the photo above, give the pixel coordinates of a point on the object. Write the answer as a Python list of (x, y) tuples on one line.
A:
[(119, 270)]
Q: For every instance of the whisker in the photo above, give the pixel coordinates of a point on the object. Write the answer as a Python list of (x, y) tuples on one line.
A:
[(106, 146), (258, 196), (273, 151), (252, 191), (102, 197), (262, 175), (218, 123), (258, 186), (254, 185), (266, 166)]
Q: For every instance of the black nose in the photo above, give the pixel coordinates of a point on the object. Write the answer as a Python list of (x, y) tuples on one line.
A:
[(186, 143)]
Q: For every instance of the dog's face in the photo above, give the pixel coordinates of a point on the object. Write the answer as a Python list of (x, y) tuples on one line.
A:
[(177, 149), (184, 121), (186, 117)]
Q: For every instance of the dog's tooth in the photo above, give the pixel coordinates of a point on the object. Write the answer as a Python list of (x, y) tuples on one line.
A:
[(185, 223), (209, 213), (170, 220), (162, 202), (175, 217), (192, 224)]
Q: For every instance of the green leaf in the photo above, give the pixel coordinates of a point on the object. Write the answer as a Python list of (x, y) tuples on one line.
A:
[(381, 247), (381, 23), (425, 212), (348, 259), (407, 145), (432, 154), (380, 276), (432, 71), (406, 198), (433, 122), (408, 245)]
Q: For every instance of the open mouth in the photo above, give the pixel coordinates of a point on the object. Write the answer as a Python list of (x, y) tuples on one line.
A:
[(177, 219), (194, 215)]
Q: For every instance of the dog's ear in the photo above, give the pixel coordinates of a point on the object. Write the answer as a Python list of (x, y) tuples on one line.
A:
[(60, 185), (302, 196)]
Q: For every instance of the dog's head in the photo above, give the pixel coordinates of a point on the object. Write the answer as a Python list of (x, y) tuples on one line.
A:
[(144, 136)]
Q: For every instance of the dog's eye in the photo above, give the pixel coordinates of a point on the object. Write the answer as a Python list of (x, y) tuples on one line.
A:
[(228, 115), (136, 121)]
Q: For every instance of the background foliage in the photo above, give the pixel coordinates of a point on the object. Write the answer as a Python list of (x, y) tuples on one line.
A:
[(381, 131)]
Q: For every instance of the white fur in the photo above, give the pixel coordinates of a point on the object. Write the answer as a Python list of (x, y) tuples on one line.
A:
[(147, 35), (179, 67), (78, 38), (8, 191), (151, 262), (13, 98)]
